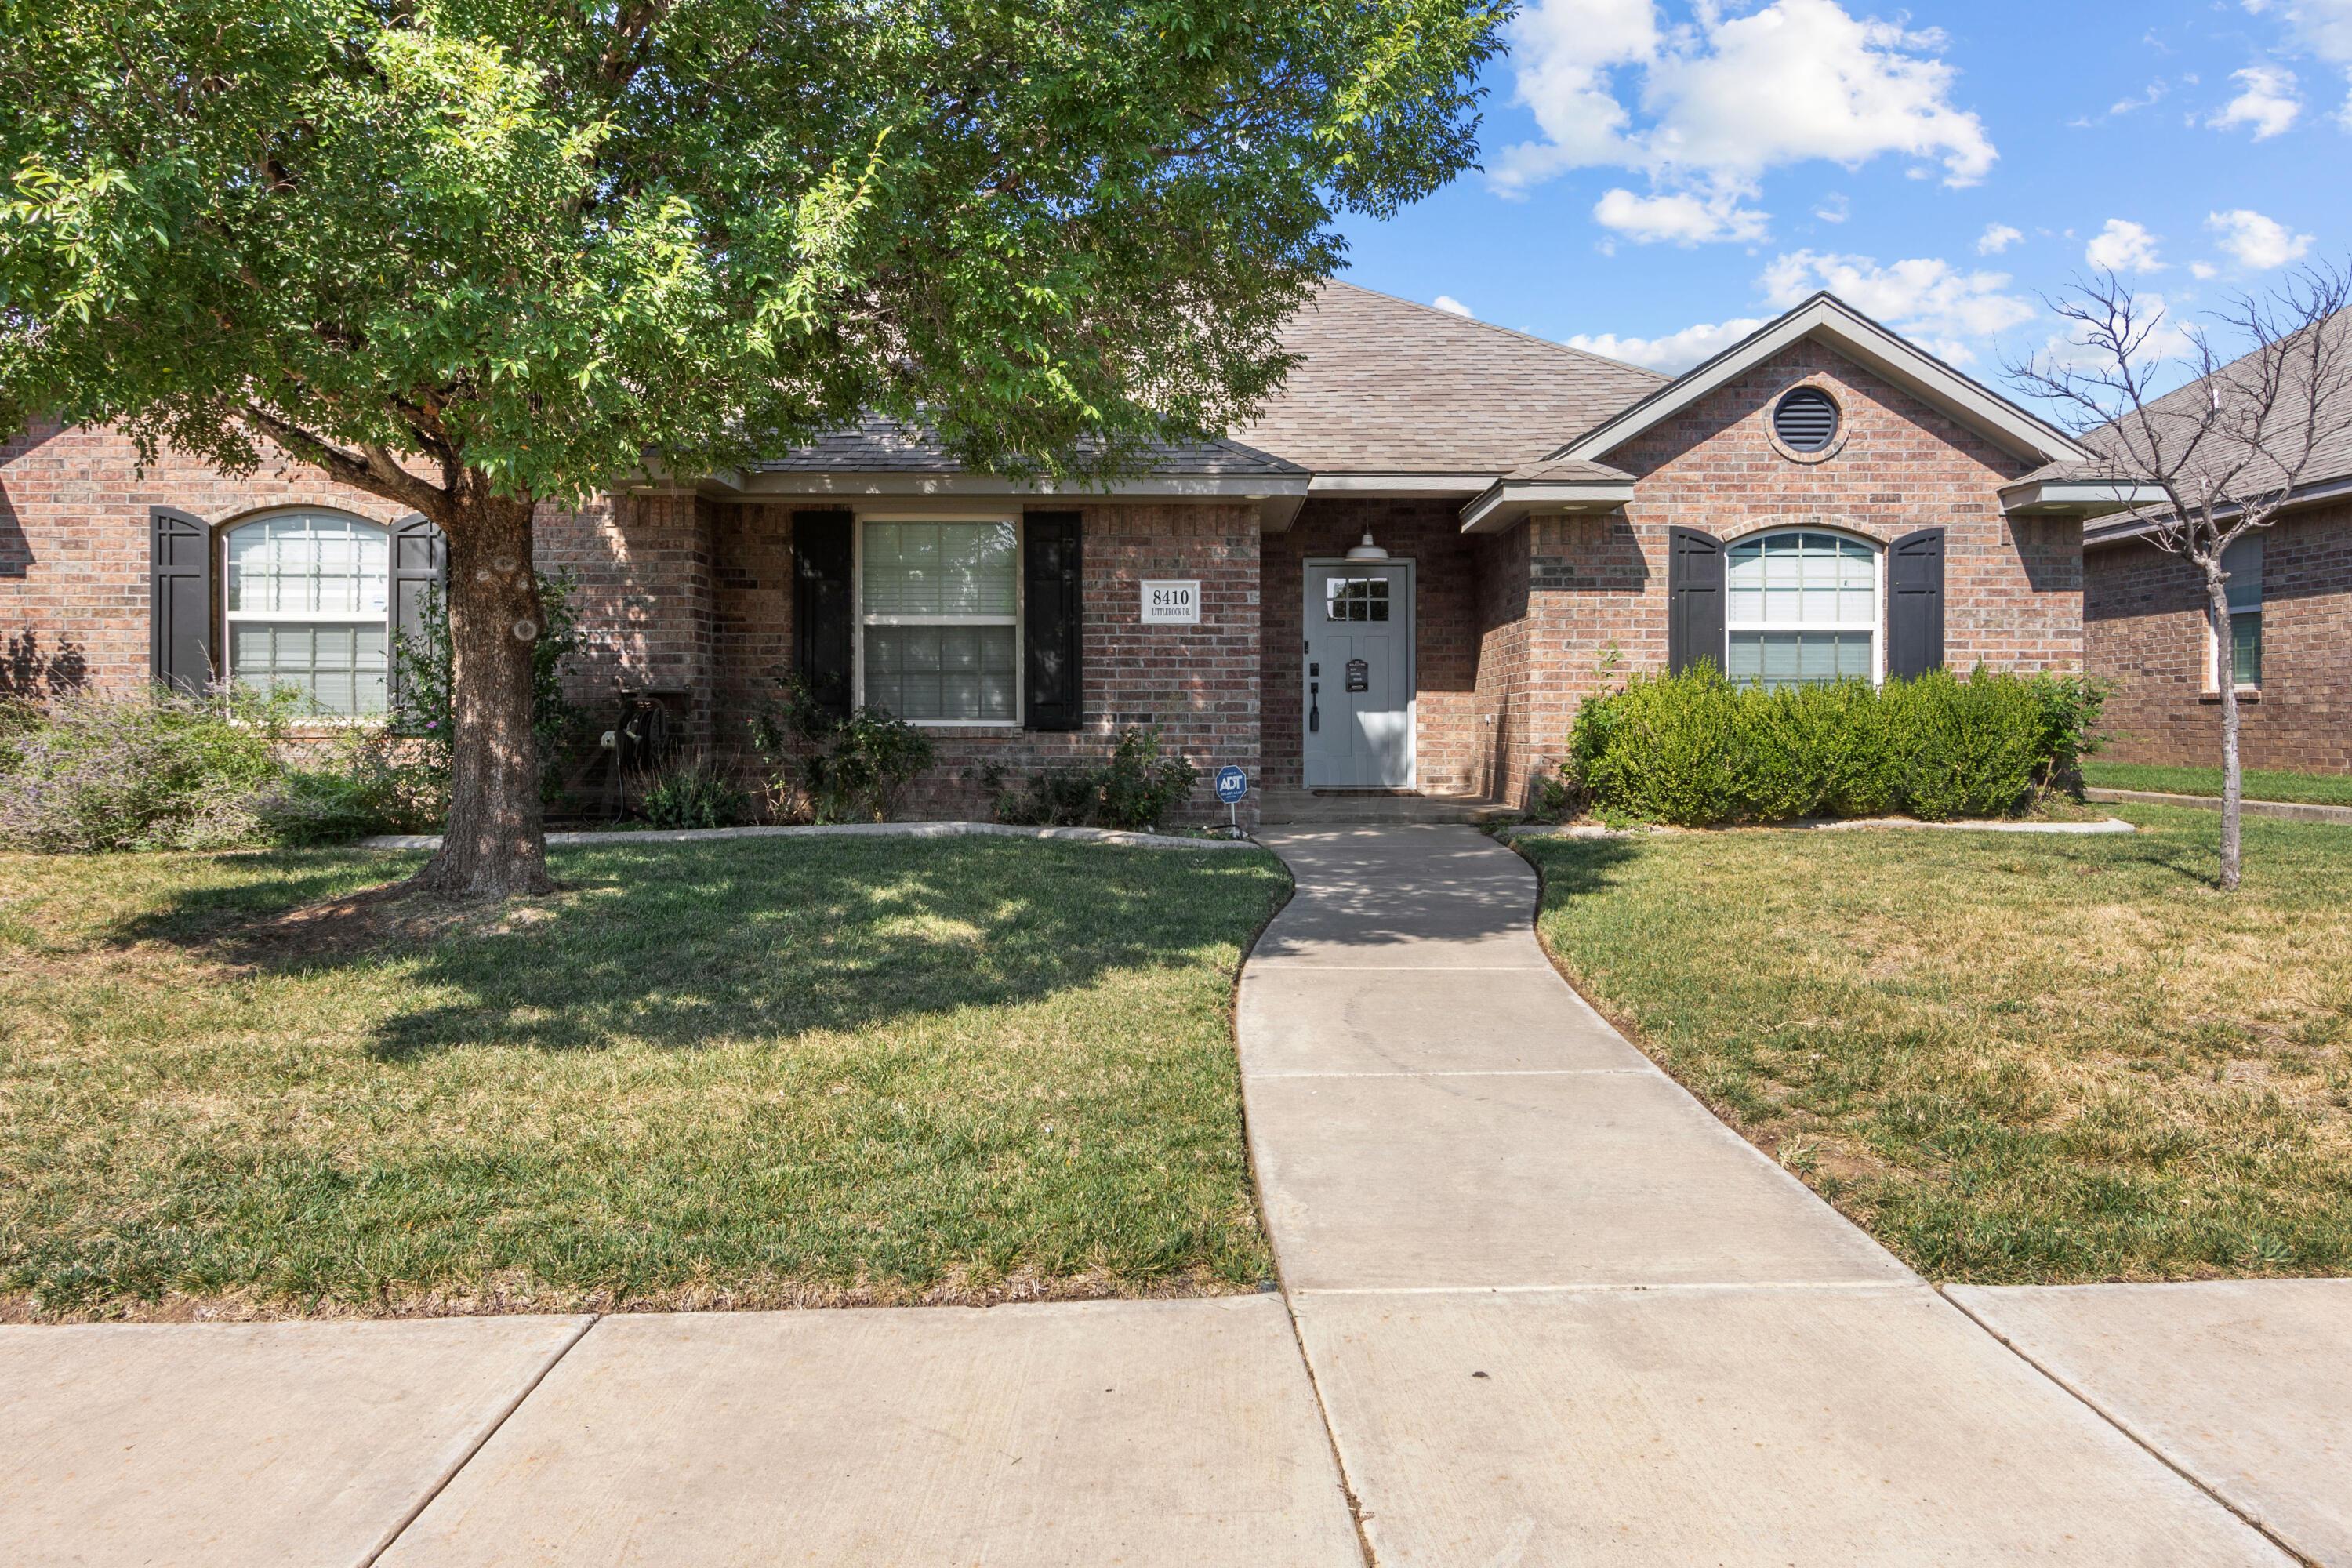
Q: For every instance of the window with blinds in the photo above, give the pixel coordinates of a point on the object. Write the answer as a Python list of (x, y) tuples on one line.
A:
[(938, 613), (1801, 609), (308, 607)]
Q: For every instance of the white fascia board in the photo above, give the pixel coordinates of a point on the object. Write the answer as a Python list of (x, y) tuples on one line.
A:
[(2310, 495), (1868, 345), (797, 482), (1505, 505), (2079, 497), (1399, 487)]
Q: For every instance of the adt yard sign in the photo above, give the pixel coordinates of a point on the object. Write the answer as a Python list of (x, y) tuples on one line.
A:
[(1172, 602), (1232, 784)]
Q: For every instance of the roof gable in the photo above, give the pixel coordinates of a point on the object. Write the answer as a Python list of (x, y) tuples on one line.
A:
[(1831, 320)]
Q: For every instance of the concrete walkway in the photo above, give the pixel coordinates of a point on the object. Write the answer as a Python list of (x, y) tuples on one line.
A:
[(1557, 1313)]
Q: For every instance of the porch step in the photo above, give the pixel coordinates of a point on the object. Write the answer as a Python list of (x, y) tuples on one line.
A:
[(1345, 808)]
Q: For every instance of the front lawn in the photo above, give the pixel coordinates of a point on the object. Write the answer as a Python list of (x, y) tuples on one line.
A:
[(2011, 1059), (2314, 789), (753, 1073)]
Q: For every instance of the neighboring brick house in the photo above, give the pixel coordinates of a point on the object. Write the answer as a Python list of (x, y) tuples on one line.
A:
[(1436, 540), (2146, 629)]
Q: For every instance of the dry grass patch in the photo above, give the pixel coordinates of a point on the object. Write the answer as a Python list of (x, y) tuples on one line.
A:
[(2011, 1058)]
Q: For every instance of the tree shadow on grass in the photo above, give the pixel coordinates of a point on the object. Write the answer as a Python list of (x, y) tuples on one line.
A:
[(684, 945)]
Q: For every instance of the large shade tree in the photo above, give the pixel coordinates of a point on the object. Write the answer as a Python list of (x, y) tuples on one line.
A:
[(477, 256)]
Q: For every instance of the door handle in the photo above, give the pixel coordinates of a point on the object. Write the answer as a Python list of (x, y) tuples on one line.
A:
[(1314, 708)]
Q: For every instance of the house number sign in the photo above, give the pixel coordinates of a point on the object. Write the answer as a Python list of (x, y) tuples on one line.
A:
[(1170, 603)]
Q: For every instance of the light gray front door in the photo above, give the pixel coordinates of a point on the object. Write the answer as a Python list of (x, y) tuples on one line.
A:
[(1358, 687)]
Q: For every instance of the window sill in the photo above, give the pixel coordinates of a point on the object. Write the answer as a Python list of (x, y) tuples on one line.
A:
[(2245, 694)]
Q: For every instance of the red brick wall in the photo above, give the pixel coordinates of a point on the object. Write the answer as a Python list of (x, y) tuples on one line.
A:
[(2144, 625), (1448, 727), (1597, 595)]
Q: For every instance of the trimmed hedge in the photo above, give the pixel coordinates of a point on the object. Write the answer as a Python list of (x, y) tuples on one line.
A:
[(1696, 750)]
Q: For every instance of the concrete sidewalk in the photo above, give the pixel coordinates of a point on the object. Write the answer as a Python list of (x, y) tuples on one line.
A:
[(1557, 1313)]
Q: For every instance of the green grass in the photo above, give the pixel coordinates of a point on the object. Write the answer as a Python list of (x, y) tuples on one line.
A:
[(2316, 789), (2011, 1059), (763, 1072)]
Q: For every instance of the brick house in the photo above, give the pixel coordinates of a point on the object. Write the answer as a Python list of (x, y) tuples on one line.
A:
[(2146, 631), (1404, 577)]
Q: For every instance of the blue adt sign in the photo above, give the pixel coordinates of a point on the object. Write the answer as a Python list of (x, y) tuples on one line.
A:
[(1232, 784)]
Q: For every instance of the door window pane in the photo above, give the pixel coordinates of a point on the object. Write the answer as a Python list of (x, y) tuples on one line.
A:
[(1356, 598)]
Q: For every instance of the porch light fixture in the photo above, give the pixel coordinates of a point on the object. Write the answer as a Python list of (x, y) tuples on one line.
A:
[(1367, 551)]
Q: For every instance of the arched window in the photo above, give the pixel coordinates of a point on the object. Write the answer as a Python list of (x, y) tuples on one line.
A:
[(308, 607), (1802, 609)]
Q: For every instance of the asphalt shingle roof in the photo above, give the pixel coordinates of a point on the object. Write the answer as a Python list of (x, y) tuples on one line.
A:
[(888, 447), (1390, 386), (2331, 460)]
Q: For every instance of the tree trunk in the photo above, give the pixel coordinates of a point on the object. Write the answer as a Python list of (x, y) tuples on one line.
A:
[(2225, 672), (493, 846)]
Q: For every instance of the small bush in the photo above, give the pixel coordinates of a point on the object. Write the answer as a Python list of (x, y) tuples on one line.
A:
[(691, 794), (1694, 749), (1137, 788), (371, 784), (147, 771), (823, 769)]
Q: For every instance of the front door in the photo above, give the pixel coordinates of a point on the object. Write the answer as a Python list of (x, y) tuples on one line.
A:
[(1358, 674)]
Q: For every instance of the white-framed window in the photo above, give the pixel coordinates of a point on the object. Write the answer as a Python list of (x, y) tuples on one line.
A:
[(1802, 608), (2243, 563), (307, 606), (939, 618)]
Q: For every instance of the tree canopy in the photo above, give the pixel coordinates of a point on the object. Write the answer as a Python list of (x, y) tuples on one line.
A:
[(534, 246)]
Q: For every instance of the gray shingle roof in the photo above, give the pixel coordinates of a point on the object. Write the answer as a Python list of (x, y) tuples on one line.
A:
[(888, 447), (1390, 386)]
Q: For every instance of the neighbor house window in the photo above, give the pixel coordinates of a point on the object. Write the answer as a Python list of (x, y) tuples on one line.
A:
[(939, 607), (2244, 563), (1802, 610), (306, 607)]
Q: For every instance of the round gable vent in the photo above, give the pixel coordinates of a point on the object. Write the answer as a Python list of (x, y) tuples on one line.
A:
[(1806, 420)]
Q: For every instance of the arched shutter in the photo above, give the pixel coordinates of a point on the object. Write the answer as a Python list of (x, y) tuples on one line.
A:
[(825, 612), (420, 561), (1694, 599), (1053, 634), (1915, 603), (180, 600)]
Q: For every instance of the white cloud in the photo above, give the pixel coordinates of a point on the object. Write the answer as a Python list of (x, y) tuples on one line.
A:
[(1453, 307), (2123, 247), (1681, 217), (2203, 270), (2153, 96), (1923, 298), (1673, 354), (2266, 101), (2258, 242), (1724, 99), (1997, 237), (1833, 208), (2322, 26)]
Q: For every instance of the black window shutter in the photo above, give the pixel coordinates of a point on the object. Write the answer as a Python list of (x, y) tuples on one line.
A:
[(1052, 583), (1694, 599), (420, 562), (180, 600), (1915, 603), (823, 608)]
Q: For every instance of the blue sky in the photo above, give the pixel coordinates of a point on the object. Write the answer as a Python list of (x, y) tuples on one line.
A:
[(1661, 175)]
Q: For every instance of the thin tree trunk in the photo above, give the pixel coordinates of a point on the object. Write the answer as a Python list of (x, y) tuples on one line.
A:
[(493, 846), (2225, 663)]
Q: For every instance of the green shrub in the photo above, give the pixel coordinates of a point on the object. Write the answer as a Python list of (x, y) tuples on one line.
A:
[(691, 794), (155, 770), (1695, 750), (1139, 787), (370, 782), (823, 769)]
